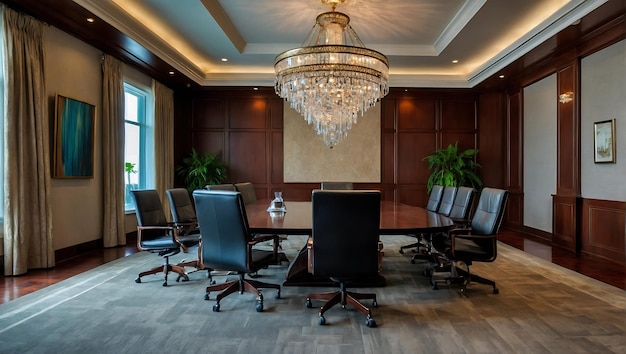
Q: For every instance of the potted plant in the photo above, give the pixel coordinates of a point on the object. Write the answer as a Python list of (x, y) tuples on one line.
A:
[(449, 167), (200, 170)]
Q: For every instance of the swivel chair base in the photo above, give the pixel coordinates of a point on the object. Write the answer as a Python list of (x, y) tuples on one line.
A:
[(241, 285), (343, 297), (165, 268), (451, 274)]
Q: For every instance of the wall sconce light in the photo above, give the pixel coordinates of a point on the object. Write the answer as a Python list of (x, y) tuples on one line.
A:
[(566, 97)]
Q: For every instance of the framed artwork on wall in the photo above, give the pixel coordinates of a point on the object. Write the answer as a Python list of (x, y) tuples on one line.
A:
[(74, 124), (604, 141)]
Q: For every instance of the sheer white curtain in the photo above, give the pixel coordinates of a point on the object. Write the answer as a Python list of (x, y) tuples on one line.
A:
[(163, 140), (27, 223), (113, 151)]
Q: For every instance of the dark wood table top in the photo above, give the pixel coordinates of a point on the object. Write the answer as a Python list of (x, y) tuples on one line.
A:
[(395, 219)]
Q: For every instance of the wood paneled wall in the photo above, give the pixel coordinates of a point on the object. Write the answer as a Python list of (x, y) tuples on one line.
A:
[(594, 227), (245, 126)]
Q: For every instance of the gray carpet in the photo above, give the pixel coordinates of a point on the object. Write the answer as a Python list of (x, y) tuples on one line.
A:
[(541, 308)]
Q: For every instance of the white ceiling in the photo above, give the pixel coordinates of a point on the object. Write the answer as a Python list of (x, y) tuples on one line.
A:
[(421, 38)]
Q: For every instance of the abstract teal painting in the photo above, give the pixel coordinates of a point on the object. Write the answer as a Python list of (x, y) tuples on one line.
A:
[(73, 139)]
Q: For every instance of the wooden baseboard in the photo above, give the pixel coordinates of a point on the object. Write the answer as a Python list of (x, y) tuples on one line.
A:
[(76, 250), (533, 233), (85, 247)]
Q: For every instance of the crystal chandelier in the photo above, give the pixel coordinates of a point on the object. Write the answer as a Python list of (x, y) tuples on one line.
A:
[(332, 78)]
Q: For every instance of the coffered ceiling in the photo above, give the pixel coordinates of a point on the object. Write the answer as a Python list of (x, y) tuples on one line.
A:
[(422, 38)]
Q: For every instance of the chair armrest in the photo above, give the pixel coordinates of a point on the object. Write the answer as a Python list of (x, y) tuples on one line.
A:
[(174, 233), (460, 230), (186, 227), (470, 237), (262, 238), (461, 222), (309, 248)]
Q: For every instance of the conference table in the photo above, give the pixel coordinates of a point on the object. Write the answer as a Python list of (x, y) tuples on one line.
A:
[(395, 219)]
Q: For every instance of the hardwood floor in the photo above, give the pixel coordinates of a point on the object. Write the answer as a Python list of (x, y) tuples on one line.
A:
[(597, 268)]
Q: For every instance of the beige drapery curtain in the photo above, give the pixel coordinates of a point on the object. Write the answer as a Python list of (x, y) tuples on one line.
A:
[(163, 141), (113, 152), (28, 239)]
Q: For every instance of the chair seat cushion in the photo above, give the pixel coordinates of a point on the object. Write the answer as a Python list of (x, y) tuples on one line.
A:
[(159, 243)]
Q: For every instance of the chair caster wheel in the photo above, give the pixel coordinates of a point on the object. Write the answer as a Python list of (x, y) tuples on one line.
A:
[(308, 304), (277, 296), (259, 307), (412, 261), (321, 321), (401, 251), (138, 280), (216, 308), (370, 322), (178, 279), (374, 303), (165, 283), (496, 291), (206, 296)]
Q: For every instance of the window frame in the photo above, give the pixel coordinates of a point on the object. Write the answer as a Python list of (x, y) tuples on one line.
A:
[(145, 123)]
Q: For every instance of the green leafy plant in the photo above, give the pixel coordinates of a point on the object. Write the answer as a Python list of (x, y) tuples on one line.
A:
[(449, 167), (129, 168), (202, 169)]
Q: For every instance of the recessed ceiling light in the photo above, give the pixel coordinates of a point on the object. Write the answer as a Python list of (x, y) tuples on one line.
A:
[(501, 76), (224, 59), (455, 61), (91, 20), (255, 88), (171, 72)]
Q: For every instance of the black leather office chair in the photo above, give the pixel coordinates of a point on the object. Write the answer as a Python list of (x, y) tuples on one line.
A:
[(184, 217), (424, 250), (155, 234), (336, 185), (183, 211), (462, 207), (476, 244), (434, 199), (247, 192), (447, 200), (460, 213), (344, 246), (227, 244)]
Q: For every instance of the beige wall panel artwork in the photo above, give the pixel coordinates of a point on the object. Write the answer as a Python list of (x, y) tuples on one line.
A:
[(355, 159)]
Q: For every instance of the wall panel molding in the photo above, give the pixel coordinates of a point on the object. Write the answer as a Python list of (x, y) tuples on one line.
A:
[(604, 229)]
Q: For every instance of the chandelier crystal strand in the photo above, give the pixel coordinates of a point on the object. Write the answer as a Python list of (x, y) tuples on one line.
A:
[(329, 83)]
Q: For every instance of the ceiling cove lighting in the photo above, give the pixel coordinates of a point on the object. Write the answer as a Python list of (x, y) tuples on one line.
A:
[(332, 78)]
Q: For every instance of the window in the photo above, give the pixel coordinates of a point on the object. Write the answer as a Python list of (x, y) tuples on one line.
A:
[(139, 142)]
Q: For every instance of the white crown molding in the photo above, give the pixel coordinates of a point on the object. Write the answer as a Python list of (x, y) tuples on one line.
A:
[(570, 13), (460, 20), (123, 22), (428, 81)]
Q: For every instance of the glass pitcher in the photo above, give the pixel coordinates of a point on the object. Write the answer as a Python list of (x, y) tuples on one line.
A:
[(278, 203)]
